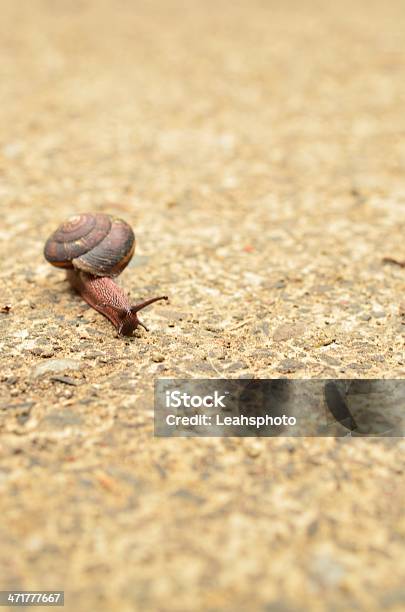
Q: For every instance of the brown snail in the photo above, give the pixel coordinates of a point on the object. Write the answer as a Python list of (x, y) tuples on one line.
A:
[(94, 248)]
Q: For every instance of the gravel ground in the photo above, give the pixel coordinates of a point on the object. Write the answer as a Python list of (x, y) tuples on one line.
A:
[(258, 150)]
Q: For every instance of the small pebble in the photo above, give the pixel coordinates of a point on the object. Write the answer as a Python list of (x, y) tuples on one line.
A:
[(212, 328), (331, 360), (253, 449), (286, 331), (11, 150), (378, 314), (56, 365), (93, 354), (43, 351), (58, 419), (378, 358), (236, 366), (290, 365), (157, 357), (64, 379)]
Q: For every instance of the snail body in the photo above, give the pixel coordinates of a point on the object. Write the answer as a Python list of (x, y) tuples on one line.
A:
[(94, 248)]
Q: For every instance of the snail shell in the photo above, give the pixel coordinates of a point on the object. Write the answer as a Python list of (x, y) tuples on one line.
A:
[(99, 244)]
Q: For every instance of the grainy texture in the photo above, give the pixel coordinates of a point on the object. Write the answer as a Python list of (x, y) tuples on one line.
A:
[(258, 150)]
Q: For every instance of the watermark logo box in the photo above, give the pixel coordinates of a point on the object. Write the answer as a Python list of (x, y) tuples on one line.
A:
[(279, 407)]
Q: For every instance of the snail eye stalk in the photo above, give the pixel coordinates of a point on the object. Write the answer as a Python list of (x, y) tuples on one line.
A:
[(141, 305)]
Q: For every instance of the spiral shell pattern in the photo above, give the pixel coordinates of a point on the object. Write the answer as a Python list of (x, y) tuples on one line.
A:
[(95, 243)]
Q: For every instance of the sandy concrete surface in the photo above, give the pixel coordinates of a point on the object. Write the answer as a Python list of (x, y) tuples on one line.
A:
[(258, 149)]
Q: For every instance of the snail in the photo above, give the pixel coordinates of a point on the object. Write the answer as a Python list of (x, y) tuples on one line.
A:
[(94, 248)]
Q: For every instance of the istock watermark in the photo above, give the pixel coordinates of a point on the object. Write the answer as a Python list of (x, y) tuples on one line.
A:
[(279, 407), (226, 421), (176, 399)]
